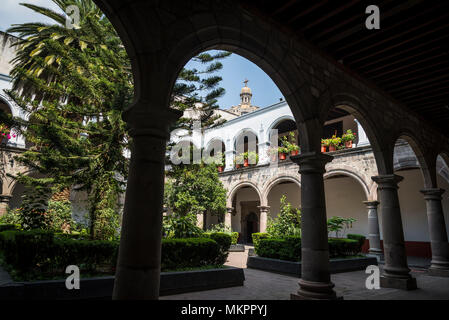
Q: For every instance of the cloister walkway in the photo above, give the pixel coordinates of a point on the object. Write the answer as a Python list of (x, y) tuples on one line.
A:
[(261, 285)]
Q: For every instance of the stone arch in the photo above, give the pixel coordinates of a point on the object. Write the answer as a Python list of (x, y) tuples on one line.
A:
[(275, 122), (350, 102), (273, 182), (353, 175), (238, 186), (213, 25), (426, 160), (243, 132)]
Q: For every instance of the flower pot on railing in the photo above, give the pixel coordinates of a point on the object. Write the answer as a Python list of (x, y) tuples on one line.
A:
[(220, 168), (245, 163), (294, 152), (348, 144), (332, 148), (323, 149), (282, 156)]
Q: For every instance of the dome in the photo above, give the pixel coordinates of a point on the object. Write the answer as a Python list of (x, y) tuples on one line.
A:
[(246, 89)]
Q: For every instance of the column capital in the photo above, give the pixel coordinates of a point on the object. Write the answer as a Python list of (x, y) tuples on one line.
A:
[(263, 208), (387, 181), (312, 162), (432, 193), (371, 204), (150, 121)]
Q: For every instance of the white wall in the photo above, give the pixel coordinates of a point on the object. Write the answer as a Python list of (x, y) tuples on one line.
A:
[(344, 198), (290, 190)]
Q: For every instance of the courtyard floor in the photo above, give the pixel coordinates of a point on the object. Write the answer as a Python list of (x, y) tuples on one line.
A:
[(261, 285)]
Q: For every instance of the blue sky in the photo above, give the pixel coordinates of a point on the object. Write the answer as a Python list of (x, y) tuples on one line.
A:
[(235, 68)]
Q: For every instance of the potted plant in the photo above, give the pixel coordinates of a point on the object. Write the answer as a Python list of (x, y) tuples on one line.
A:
[(245, 159), (282, 152), (253, 158), (334, 142), (238, 161), (291, 145), (348, 138), (324, 145), (220, 160)]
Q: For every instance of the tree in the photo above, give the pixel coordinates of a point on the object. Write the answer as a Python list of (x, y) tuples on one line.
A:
[(74, 84), (195, 189), (287, 223)]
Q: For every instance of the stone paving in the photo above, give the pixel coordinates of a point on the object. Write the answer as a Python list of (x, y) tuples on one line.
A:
[(261, 285)]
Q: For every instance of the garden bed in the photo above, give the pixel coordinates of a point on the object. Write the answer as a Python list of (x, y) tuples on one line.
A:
[(337, 265), (101, 287)]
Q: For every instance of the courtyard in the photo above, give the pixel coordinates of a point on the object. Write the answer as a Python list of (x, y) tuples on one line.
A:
[(262, 285)]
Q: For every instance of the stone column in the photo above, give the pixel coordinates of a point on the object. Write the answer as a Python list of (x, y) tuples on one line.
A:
[(263, 218), (138, 266), (437, 231), (373, 228), (228, 217), (4, 203), (229, 160), (396, 273), (315, 282)]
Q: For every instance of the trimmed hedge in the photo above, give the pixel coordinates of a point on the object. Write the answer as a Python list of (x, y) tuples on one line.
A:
[(289, 248), (37, 252), (188, 252), (360, 238), (257, 237), (340, 247), (5, 227), (285, 249)]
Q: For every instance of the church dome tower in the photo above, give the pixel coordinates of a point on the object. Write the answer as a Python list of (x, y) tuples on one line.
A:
[(245, 102), (245, 94)]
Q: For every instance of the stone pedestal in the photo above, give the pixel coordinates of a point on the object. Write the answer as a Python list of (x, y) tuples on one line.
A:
[(373, 229), (396, 273), (263, 218), (138, 267), (315, 282), (437, 232)]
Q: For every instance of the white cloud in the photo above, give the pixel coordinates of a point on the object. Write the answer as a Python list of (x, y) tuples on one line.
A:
[(11, 12)]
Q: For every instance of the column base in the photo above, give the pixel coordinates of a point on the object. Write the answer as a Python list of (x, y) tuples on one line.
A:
[(398, 283), (436, 272), (310, 290)]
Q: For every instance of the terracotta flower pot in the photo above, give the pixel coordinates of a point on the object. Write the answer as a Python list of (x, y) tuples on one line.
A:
[(323, 149), (245, 163), (294, 152), (348, 144), (220, 169), (238, 166), (282, 156), (332, 148)]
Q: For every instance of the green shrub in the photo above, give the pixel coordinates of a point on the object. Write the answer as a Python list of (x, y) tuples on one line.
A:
[(360, 238), (177, 226), (32, 254), (224, 242), (188, 252), (235, 237), (257, 237), (285, 249), (26, 250), (287, 222), (339, 247), (10, 226)]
